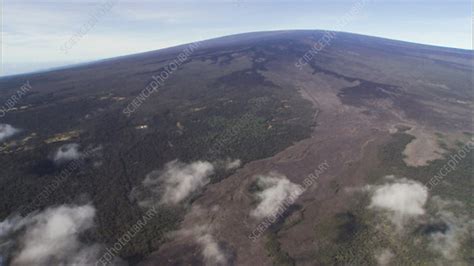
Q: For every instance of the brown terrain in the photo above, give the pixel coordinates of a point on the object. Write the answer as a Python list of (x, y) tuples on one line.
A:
[(343, 107)]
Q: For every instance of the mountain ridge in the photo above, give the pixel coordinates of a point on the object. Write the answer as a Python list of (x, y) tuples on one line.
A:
[(249, 37)]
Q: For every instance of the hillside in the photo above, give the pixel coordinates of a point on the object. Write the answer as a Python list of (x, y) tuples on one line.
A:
[(248, 118)]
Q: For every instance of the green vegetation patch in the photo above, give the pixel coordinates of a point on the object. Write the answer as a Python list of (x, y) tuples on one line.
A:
[(356, 238)]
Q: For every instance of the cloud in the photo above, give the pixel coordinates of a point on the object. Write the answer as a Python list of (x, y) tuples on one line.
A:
[(232, 164), (6, 228), (227, 164), (445, 225), (213, 252), (67, 152), (181, 180), (276, 189), (50, 237), (7, 131), (402, 198), (448, 242), (175, 183), (384, 256)]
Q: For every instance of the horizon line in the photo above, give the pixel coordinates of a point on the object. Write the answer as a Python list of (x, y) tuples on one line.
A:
[(92, 61)]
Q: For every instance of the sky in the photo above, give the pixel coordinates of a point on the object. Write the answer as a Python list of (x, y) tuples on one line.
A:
[(41, 34)]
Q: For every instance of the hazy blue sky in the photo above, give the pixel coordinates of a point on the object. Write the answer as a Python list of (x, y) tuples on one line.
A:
[(36, 32)]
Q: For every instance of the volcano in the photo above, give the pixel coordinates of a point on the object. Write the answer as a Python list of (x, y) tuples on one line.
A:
[(268, 148)]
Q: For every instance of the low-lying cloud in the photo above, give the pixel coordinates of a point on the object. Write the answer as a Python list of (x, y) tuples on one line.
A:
[(213, 252), (445, 224), (7, 131), (383, 257), (276, 189), (459, 227), (50, 237), (232, 164), (227, 164), (401, 198), (67, 152), (178, 181), (175, 183)]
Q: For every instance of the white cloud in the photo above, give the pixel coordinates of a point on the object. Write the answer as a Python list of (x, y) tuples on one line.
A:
[(212, 251), (227, 164), (276, 189), (181, 179), (384, 256), (51, 237), (175, 183), (67, 152), (11, 224), (459, 227), (232, 164), (402, 198), (7, 131)]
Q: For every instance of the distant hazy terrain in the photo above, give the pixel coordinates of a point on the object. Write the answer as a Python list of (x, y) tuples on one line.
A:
[(371, 138)]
